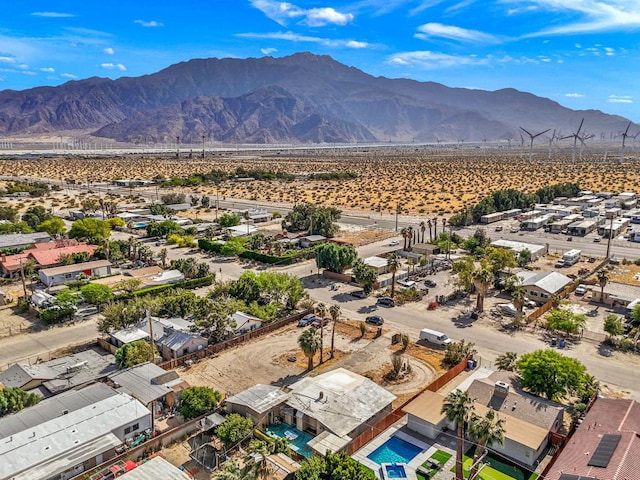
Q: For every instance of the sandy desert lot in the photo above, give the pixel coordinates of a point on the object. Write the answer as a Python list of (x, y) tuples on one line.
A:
[(419, 181)]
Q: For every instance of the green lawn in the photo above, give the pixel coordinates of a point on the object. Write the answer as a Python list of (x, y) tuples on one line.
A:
[(438, 456), (497, 470)]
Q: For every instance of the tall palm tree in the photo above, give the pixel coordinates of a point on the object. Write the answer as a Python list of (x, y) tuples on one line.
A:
[(392, 265), (309, 343), (130, 245), (423, 227), (603, 279), (485, 431), (403, 232), (435, 228), (334, 311), (518, 294), (409, 236), (430, 224), (321, 310), (482, 279), (457, 407)]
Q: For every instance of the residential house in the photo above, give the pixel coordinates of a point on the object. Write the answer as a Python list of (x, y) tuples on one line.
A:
[(311, 240), (60, 275), (149, 383), (540, 286), (45, 254), (425, 249), (69, 433), (334, 407), (528, 419), (379, 264), (582, 227), (21, 240), (176, 344), (155, 468), (617, 294), (244, 322), (534, 249), (606, 444), (61, 374)]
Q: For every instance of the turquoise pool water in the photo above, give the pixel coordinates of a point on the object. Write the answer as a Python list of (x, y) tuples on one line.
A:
[(395, 471), (297, 439), (394, 450)]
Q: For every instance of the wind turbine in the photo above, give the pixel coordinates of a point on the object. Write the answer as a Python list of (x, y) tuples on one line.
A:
[(575, 137), (551, 140), (624, 136), (532, 136), (585, 136)]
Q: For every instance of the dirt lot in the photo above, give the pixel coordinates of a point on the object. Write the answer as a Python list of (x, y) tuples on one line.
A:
[(276, 359)]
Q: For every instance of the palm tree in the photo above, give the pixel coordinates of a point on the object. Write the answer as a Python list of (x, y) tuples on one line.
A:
[(485, 431), (423, 227), (163, 257), (334, 311), (482, 279), (309, 343), (321, 310), (507, 361), (403, 232), (105, 248), (435, 228), (444, 224), (518, 301), (457, 407), (392, 265), (130, 247), (262, 469), (410, 236), (430, 224), (603, 279)]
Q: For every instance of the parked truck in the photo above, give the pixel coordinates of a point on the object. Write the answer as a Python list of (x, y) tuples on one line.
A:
[(433, 336)]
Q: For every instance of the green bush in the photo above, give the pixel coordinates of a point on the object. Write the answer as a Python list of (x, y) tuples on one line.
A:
[(188, 284)]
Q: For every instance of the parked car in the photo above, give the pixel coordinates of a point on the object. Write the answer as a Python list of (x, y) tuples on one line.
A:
[(374, 320), (394, 243), (430, 283), (499, 228), (597, 239), (306, 320), (386, 301), (358, 294), (515, 229), (318, 322), (581, 289), (407, 283)]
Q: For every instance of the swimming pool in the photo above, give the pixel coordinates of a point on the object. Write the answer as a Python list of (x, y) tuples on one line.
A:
[(297, 439), (393, 470), (394, 450)]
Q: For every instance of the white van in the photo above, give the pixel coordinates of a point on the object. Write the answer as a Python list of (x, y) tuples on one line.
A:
[(433, 336)]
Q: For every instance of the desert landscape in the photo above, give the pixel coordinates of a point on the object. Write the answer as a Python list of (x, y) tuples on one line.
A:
[(417, 181)]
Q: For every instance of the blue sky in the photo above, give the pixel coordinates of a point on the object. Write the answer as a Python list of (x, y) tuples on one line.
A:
[(584, 54)]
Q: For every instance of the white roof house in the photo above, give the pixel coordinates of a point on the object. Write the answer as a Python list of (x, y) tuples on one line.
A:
[(64, 431), (154, 469), (340, 400), (377, 263), (549, 282), (259, 398), (535, 249)]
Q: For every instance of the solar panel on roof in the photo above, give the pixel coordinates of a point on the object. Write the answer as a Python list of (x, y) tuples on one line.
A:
[(565, 476), (605, 449)]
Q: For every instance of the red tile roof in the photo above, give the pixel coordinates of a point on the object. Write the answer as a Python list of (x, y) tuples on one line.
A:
[(47, 258), (45, 254), (607, 415)]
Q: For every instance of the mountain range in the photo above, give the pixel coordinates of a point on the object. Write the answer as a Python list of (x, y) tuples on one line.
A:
[(303, 98)]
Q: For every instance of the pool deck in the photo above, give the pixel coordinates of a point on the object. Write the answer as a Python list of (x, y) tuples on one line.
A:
[(394, 430)]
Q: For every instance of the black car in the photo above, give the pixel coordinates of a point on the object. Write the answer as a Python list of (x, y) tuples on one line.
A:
[(375, 320), (386, 301), (430, 283), (358, 294)]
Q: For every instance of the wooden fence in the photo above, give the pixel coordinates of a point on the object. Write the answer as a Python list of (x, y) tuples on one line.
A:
[(385, 422), (219, 347), (550, 304)]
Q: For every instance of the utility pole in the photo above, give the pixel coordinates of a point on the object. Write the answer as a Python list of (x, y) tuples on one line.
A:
[(609, 239), (178, 146), (203, 146), (24, 285), (397, 213), (153, 361)]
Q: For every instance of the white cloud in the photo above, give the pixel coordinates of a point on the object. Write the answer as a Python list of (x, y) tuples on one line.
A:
[(53, 14), (268, 51), (68, 75), (609, 52), (149, 24), (48, 69), (281, 12), (620, 99), (452, 32), (597, 15), (28, 72), (427, 59), (113, 66), (109, 51), (574, 95), (4, 59), (356, 44)]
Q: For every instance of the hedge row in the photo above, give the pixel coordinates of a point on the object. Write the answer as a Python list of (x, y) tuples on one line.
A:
[(188, 284), (288, 258)]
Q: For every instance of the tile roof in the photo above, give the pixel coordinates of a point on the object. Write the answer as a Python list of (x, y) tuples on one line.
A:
[(606, 416), (46, 258)]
